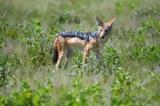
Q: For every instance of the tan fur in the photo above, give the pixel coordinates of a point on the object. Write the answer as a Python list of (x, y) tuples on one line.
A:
[(63, 44)]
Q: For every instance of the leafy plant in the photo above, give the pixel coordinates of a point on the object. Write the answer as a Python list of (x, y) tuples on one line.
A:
[(82, 95), (4, 73), (38, 43), (26, 96), (150, 54)]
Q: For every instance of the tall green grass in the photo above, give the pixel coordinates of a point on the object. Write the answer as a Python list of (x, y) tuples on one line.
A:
[(129, 73)]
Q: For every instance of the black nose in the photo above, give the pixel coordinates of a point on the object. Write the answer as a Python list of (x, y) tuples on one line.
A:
[(102, 37)]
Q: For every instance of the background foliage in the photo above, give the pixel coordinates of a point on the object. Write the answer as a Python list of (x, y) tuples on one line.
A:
[(129, 73)]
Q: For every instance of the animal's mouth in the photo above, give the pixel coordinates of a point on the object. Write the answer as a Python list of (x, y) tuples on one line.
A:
[(107, 32)]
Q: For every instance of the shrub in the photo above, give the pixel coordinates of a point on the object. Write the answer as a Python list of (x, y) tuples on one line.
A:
[(26, 96), (150, 54)]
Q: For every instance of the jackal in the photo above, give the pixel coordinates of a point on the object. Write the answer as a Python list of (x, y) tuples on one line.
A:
[(66, 42)]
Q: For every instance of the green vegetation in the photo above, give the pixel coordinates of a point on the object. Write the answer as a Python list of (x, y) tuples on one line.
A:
[(129, 73)]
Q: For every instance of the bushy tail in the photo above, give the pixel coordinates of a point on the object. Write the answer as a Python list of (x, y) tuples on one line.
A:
[(54, 53)]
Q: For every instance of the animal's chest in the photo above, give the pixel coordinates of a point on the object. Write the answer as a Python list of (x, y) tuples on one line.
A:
[(102, 42)]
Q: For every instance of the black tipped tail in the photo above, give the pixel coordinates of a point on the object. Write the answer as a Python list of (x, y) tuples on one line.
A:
[(55, 55)]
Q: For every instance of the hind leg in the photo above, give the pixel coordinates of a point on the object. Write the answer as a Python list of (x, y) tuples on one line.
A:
[(60, 56), (68, 56)]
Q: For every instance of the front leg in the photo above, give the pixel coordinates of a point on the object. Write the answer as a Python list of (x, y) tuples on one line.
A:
[(98, 55), (86, 54)]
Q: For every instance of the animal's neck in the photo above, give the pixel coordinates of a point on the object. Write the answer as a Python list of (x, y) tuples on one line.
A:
[(102, 41)]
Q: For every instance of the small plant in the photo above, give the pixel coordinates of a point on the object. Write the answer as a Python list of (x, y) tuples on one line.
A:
[(82, 95), (4, 73), (150, 54), (37, 44), (123, 88), (26, 96), (112, 59)]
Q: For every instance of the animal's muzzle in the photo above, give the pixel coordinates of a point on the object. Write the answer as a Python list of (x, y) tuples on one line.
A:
[(102, 37)]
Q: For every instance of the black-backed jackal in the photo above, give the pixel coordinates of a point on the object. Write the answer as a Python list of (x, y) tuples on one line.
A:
[(66, 42)]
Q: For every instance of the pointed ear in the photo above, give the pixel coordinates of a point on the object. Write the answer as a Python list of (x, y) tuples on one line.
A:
[(99, 21), (112, 20)]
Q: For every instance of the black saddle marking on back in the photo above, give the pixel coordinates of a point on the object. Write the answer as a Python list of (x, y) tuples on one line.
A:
[(82, 35)]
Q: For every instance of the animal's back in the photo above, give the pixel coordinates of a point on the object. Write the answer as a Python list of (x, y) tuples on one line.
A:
[(82, 35)]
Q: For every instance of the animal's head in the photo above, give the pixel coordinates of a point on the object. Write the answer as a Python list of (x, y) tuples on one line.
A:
[(104, 28)]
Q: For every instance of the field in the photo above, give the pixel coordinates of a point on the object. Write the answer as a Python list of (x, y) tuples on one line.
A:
[(128, 76)]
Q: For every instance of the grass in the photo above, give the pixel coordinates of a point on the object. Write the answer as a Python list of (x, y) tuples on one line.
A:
[(129, 74)]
